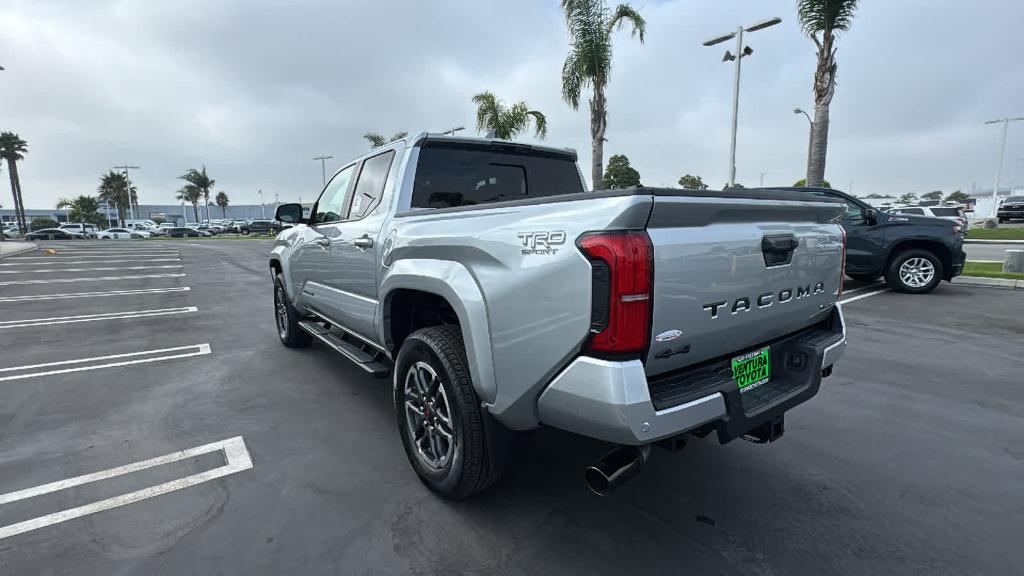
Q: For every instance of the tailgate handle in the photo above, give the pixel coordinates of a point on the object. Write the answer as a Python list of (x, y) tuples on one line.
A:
[(778, 249)]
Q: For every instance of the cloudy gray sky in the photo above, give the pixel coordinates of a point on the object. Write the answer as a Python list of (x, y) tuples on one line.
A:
[(256, 88)]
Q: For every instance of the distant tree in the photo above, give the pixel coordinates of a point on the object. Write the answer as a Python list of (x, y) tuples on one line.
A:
[(875, 195), (113, 188), (13, 149), (506, 122), (957, 196), (377, 139), (84, 209), (158, 220), (691, 182), (191, 194), (40, 223), (222, 201), (908, 198), (803, 182), (202, 182), (936, 195), (620, 174), (822, 21)]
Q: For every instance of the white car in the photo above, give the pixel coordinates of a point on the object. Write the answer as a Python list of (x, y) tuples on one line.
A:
[(89, 230), (122, 234), (953, 213)]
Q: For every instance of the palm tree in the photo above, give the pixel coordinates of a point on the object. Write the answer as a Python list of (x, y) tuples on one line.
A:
[(377, 139), (83, 209), (222, 201), (589, 63), (13, 149), (202, 182), (821, 20), (505, 122), (114, 188), (191, 193)]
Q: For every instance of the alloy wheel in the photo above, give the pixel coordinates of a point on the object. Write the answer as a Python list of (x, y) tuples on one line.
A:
[(428, 416), (917, 272), (281, 312)]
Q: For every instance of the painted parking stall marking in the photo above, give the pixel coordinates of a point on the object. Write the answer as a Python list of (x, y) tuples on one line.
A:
[(65, 261), (8, 324), (101, 362), (97, 279), (99, 269), (101, 294), (236, 459)]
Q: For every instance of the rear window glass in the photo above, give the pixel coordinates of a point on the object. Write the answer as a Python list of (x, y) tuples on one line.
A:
[(450, 175), (946, 211), (1014, 199)]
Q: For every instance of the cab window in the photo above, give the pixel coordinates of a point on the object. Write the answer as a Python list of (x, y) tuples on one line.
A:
[(331, 205)]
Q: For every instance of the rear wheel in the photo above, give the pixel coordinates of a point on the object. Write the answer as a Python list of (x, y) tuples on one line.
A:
[(286, 318), (456, 448), (914, 272)]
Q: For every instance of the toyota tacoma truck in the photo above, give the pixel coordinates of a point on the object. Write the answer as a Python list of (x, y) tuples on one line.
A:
[(498, 296)]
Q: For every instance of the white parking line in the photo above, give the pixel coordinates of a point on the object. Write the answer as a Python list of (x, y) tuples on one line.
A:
[(101, 268), (92, 257), (76, 254), (866, 295), (199, 350), (95, 317), (236, 459), (34, 297), (97, 279), (79, 262), (861, 288)]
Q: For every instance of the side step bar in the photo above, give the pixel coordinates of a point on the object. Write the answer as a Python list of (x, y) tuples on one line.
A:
[(367, 358)]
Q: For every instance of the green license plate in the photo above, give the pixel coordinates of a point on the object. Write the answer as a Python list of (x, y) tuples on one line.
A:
[(752, 369)]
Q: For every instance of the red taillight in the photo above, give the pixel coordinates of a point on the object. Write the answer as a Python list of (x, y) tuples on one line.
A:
[(842, 270), (623, 270)]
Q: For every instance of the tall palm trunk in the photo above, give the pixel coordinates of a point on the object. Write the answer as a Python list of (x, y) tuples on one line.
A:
[(824, 88), (224, 212), (195, 210), (598, 124), (19, 202)]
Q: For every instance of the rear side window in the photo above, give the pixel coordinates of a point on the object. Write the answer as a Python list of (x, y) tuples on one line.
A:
[(370, 185), (451, 175), (912, 211), (946, 211)]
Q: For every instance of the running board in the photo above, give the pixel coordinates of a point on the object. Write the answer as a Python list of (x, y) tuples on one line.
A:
[(364, 356)]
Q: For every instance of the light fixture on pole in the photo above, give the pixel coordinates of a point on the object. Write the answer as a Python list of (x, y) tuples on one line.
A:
[(1002, 151), (741, 52), (128, 185), (452, 131), (323, 166)]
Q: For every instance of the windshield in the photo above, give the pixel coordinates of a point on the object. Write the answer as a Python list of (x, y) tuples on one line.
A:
[(456, 174)]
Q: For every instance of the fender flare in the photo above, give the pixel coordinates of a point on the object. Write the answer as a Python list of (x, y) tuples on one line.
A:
[(453, 282)]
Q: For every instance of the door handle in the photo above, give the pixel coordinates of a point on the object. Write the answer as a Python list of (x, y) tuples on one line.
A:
[(363, 241), (322, 242)]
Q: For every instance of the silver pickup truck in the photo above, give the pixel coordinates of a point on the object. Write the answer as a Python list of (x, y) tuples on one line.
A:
[(499, 295)]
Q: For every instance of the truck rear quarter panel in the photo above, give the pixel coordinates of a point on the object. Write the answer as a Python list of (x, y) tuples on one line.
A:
[(534, 284)]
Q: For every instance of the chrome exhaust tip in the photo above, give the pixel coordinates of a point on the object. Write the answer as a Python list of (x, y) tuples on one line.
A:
[(615, 468)]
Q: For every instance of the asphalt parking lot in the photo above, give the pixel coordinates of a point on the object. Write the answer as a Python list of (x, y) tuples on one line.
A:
[(909, 460)]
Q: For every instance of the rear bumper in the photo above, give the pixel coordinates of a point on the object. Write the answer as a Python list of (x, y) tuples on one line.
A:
[(612, 401)]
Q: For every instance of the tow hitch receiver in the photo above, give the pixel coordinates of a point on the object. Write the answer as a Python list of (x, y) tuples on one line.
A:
[(770, 431)]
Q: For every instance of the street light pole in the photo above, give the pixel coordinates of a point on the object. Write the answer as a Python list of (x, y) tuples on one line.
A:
[(128, 185), (323, 166), (741, 52), (762, 178), (810, 138), (452, 131), (263, 207), (1002, 152)]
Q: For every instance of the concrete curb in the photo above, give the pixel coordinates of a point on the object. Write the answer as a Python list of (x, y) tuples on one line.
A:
[(990, 282), (6, 249), (981, 241)]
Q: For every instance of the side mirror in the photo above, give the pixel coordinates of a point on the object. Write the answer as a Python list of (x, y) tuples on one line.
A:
[(871, 215), (291, 213)]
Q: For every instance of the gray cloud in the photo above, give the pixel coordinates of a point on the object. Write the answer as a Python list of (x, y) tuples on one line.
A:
[(255, 89)]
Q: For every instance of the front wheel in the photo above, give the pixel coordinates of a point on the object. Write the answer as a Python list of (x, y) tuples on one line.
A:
[(286, 318), (456, 448), (914, 272)]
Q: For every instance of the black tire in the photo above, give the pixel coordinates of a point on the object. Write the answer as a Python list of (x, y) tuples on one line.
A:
[(895, 281), (482, 446), (286, 318), (1002, 220), (864, 277), (245, 231)]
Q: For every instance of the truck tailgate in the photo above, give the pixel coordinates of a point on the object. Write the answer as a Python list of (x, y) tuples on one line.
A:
[(735, 269)]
